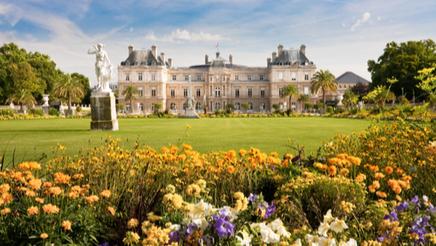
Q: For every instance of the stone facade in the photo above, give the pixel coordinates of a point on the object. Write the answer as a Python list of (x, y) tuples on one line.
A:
[(216, 83)]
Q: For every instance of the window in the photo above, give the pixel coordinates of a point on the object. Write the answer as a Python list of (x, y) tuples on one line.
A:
[(280, 75), (173, 106), (198, 106), (261, 77), (173, 93), (153, 77), (250, 106), (262, 106), (140, 92), (238, 106), (280, 91), (185, 92), (174, 77), (293, 76), (236, 92), (217, 92), (217, 106), (262, 92), (153, 92), (210, 78), (306, 76), (198, 92), (127, 77), (236, 77), (139, 76), (186, 77), (199, 77), (141, 107), (250, 92), (249, 77), (306, 90)]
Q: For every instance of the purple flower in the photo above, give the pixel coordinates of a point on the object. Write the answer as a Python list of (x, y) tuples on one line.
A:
[(206, 240), (174, 237), (415, 200), (402, 207), (252, 197), (191, 228), (223, 227), (269, 211), (392, 216)]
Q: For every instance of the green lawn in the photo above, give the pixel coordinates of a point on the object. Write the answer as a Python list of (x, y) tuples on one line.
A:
[(31, 139)]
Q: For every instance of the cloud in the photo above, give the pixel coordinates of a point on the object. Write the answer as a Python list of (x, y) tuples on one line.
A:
[(183, 35), (363, 19)]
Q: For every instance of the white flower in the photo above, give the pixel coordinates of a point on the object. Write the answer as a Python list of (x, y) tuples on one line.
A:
[(328, 217), (267, 234), (245, 240), (175, 227), (200, 210), (297, 243), (201, 223), (338, 225), (278, 227), (312, 240), (350, 242), (323, 229), (228, 212), (323, 241)]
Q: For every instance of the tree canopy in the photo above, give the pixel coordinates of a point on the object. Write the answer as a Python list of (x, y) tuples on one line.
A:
[(41, 72), (403, 61)]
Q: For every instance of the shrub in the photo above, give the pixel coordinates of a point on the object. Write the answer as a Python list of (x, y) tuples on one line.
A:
[(36, 111), (7, 112), (53, 111)]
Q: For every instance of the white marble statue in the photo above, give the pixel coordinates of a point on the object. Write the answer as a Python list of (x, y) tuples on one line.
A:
[(103, 67)]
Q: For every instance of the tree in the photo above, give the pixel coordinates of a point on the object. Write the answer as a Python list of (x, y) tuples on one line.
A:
[(156, 108), (245, 106), (379, 96), (129, 94), (350, 99), (289, 91), (325, 81), (69, 89), (360, 90), (24, 84), (84, 81), (403, 61), (427, 77), (303, 99)]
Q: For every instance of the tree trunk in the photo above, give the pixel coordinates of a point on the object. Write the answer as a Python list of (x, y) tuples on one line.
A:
[(290, 103), (323, 100)]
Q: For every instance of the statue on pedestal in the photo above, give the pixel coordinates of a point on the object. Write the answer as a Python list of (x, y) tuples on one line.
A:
[(103, 113), (190, 103), (103, 67)]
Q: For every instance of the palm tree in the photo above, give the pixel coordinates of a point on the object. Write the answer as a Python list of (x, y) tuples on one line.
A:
[(129, 94), (325, 81), (303, 99), (290, 90), (70, 89), (23, 97)]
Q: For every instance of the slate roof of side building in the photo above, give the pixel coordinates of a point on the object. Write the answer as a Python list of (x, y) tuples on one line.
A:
[(350, 77)]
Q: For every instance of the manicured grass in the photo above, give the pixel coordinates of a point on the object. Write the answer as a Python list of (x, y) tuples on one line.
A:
[(33, 139)]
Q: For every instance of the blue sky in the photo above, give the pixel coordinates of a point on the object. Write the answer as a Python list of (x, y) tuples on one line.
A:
[(340, 35)]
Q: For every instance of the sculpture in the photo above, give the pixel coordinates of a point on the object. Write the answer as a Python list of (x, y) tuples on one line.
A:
[(103, 67)]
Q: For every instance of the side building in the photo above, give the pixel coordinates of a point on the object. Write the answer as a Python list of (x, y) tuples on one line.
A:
[(216, 84)]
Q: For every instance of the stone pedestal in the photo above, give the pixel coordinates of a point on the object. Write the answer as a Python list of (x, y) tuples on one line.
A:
[(190, 113), (103, 112)]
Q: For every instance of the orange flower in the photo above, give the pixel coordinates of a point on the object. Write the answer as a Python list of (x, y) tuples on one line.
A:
[(29, 166), (360, 177), (30, 193), (66, 225), (91, 199), (4, 188), (5, 211), (105, 193), (111, 210), (379, 175), (32, 211), (35, 184), (6, 198), (397, 189), (54, 191), (43, 235), (61, 178), (231, 169), (344, 172), (381, 194), (332, 171), (47, 184), (50, 209), (39, 200), (389, 170)]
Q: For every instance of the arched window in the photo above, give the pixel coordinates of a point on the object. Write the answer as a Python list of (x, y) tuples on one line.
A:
[(173, 106), (198, 106), (238, 106)]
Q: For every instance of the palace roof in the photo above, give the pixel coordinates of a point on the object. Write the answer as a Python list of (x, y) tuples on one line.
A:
[(351, 78)]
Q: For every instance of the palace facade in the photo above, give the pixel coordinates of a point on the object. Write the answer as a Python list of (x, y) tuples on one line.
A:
[(215, 84)]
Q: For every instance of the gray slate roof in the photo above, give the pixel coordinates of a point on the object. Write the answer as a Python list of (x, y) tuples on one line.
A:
[(289, 57), (350, 77), (143, 58)]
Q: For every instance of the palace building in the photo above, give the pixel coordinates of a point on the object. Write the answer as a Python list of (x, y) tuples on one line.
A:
[(215, 84)]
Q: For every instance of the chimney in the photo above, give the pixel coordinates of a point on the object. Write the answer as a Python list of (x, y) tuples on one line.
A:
[(230, 59), (279, 49), (268, 61), (206, 59), (162, 56), (274, 56), (154, 50), (170, 62), (130, 49), (303, 49)]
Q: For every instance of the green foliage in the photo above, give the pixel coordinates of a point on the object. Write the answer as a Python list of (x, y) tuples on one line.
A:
[(69, 89), (53, 111), (130, 93), (36, 111), (350, 99), (325, 81), (403, 61), (7, 112), (289, 91)]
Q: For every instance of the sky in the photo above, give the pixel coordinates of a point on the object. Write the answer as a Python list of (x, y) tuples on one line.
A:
[(340, 35)]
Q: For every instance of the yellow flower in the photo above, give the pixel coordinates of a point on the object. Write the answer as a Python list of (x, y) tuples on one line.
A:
[(105, 193), (35, 184), (29, 166), (170, 188), (132, 223), (111, 210), (43, 235), (231, 169), (39, 200), (193, 190), (347, 207), (131, 238), (50, 209), (32, 211), (54, 191), (66, 225), (360, 177), (4, 188), (30, 193), (5, 211), (61, 178), (91, 199)]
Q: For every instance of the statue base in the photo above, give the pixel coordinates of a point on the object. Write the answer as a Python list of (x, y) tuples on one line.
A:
[(190, 114), (103, 112)]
